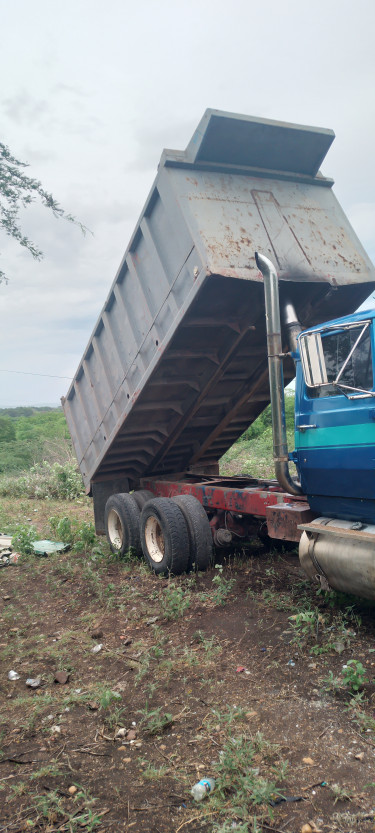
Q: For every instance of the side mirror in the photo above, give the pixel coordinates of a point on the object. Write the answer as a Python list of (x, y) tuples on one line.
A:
[(313, 361)]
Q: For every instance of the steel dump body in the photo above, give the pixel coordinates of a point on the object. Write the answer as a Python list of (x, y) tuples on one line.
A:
[(176, 368)]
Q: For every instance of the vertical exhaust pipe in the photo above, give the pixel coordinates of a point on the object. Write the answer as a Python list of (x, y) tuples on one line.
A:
[(275, 368), (292, 325)]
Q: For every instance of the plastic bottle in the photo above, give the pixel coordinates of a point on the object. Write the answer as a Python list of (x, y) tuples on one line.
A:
[(203, 788)]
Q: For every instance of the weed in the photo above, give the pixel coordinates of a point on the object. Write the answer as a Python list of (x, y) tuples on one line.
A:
[(199, 636), (250, 826), (106, 698), (115, 717), (189, 657), (61, 528), (165, 669), (10, 614), (51, 808), (347, 821), (356, 702), (157, 651), (354, 675), (310, 625), (92, 580), (331, 683), (191, 581), (151, 688), (143, 667), (155, 721), (366, 722), (152, 773), (222, 586), (306, 626), (159, 636), (350, 615), (175, 600), (340, 793), (84, 537), (210, 646), (109, 595), (79, 534), (232, 715), (319, 650), (239, 777), (23, 537), (19, 789), (51, 770)]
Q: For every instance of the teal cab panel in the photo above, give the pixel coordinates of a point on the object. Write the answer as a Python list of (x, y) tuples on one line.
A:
[(335, 417)]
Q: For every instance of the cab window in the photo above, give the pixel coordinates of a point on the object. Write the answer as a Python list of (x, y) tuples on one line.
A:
[(345, 357)]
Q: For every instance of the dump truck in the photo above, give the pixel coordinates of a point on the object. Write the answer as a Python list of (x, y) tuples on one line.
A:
[(240, 253)]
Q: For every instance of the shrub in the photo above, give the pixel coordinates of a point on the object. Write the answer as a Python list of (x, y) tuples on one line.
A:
[(22, 540), (17, 455), (44, 481), (80, 535)]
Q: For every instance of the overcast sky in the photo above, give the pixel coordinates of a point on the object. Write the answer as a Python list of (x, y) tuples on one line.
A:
[(92, 92)]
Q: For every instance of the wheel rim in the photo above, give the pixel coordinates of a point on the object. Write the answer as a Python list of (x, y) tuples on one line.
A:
[(154, 539), (115, 530)]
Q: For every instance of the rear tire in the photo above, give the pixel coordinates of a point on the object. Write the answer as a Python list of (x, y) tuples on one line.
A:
[(141, 497), (164, 537), (200, 536), (122, 525)]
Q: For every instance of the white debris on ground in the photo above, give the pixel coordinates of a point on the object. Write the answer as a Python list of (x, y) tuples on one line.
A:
[(7, 556)]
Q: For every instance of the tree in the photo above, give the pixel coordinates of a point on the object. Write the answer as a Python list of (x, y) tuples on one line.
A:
[(17, 191), (7, 429)]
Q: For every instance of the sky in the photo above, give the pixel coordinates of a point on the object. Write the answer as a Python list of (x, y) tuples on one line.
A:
[(92, 92)]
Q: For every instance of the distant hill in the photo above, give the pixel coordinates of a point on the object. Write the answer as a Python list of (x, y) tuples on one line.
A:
[(27, 411)]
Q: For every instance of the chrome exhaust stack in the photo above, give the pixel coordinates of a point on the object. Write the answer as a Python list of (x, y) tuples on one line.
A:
[(275, 368)]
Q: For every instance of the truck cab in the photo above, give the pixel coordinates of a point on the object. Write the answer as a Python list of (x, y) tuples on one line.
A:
[(335, 451), (335, 417)]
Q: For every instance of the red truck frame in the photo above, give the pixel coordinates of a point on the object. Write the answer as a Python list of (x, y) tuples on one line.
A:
[(243, 506)]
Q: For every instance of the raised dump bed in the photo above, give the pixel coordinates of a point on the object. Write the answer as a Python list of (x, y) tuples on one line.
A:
[(176, 368)]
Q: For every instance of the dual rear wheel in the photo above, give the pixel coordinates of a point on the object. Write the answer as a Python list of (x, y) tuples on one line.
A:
[(174, 535), (121, 518)]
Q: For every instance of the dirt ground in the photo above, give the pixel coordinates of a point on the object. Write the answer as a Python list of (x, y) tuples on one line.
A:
[(235, 674)]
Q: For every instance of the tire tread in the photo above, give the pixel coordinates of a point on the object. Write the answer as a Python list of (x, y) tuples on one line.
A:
[(201, 544), (129, 513), (175, 531)]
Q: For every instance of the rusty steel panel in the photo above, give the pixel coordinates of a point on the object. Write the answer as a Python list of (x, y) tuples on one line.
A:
[(284, 518), (176, 368)]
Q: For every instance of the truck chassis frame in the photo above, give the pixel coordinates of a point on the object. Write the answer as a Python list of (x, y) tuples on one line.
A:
[(243, 506)]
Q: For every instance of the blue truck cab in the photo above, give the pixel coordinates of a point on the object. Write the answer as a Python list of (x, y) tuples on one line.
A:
[(335, 417)]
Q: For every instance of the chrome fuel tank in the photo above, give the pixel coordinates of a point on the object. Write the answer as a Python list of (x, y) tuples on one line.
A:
[(340, 554)]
